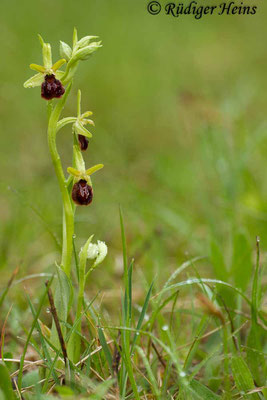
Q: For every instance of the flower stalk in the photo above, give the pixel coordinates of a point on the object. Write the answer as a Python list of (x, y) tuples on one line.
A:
[(68, 211), (76, 188)]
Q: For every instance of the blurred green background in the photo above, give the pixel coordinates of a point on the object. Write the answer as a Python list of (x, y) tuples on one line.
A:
[(180, 112)]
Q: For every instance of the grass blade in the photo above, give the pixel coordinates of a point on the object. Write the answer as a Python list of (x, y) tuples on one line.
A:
[(142, 315), (5, 382), (242, 376), (105, 347), (150, 374)]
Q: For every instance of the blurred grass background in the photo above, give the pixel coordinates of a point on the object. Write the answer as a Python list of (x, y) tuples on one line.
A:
[(180, 112)]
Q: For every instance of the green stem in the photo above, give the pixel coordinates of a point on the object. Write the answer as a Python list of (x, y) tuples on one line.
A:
[(74, 344), (77, 347), (68, 215)]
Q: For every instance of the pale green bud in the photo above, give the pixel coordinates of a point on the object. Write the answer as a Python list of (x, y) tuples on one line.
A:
[(97, 252), (65, 50), (85, 52), (85, 41)]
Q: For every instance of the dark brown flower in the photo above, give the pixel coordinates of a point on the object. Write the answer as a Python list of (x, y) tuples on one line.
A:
[(82, 193), (51, 88), (83, 142)]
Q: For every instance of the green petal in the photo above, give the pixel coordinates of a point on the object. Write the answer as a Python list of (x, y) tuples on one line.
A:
[(87, 114), (88, 121), (93, 169), (35, 80), (74, 172), (58, 64), (38, 68)]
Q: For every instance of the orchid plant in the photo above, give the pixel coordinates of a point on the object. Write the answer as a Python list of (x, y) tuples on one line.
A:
[(76, 187)]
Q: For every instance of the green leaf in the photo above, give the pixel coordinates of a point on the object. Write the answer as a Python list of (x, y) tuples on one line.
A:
[(151, 377), (180, 269), (256, 359), (202, 391), (256, 287), (218, 262), (242, 376), (63, 294), (46, 356), (63, 297), (142, 315), (30, 379), (30, 334), (5, 383), (241, 261), (64, 390), (194, 281), (105, 348)]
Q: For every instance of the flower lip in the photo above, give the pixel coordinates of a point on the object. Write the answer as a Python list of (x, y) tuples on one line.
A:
[(82, 193), (83, 142), (51, 88)]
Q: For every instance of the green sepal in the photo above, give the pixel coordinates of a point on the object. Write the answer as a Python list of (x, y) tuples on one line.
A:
[(78, 159), (35, 80), (41, 40), (79, 100), (65, 121), (81, 130), (59, 74), (47, 56), (75, 37), (83, 253)]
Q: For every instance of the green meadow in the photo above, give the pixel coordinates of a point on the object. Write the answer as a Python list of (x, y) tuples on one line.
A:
[(177, 310)]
